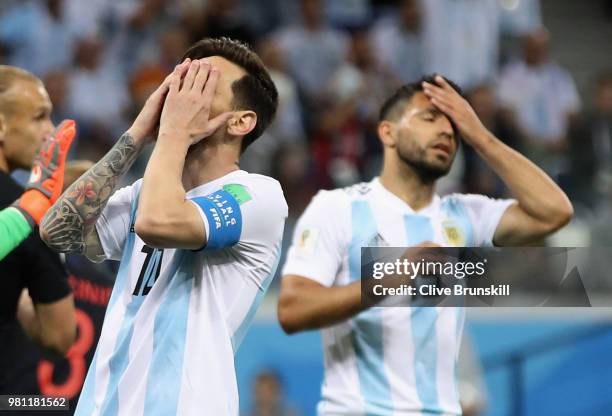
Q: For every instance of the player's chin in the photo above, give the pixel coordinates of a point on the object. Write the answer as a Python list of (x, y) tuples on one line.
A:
[(440, 158), (440, 165)]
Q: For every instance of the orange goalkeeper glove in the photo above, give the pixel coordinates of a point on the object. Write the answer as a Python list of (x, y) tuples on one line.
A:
[(47, 175)]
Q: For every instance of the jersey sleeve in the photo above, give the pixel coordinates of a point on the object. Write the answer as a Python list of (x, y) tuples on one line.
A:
[(14, 228), (485, 214), (319, 240), (45, 278), (264, 213), (263, 216), (114, 223)]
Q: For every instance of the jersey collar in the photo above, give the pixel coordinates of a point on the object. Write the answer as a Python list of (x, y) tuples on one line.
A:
[(214, 184), (391, 198)]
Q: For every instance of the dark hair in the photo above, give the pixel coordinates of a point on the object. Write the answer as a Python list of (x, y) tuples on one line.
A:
[(255, 91), (396, 102)]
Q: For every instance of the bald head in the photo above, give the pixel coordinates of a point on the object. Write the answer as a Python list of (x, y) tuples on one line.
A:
[(25, 117), (11, 77)]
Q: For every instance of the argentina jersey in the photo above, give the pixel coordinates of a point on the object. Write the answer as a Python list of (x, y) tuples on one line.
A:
[(395, 360), (176, 317)]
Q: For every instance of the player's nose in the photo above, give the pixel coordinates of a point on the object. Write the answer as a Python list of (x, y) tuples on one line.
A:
[(447, 133), (445, 126)]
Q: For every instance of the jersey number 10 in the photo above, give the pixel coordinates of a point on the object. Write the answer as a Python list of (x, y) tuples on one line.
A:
[(149, 272)]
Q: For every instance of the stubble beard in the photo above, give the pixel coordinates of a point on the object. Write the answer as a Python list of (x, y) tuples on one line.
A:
[(415, 158)]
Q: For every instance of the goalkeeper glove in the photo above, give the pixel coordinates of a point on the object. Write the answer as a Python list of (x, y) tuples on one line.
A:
[(47, 175)]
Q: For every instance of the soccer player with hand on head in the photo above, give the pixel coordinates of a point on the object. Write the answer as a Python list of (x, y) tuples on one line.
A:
[(198, 239), (401, 360)]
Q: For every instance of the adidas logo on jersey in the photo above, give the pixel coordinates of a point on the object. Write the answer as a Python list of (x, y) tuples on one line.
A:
[(378, 241)]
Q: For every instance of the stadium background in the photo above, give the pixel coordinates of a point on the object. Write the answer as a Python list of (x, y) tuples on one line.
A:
[(333, 62)]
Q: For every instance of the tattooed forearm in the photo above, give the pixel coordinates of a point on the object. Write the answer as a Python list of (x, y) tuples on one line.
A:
[(67, 224)]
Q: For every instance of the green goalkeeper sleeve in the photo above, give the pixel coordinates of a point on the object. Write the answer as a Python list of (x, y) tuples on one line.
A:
[(14, 228)]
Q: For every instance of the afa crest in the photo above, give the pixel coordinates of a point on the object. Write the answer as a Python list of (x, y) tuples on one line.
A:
[(453, 234), (308, 240)]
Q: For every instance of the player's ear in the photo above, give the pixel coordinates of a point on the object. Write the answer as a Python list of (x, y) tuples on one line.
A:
[(386, 133), (242, 123)]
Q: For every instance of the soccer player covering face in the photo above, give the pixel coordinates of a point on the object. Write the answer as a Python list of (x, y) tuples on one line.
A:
[(401, 361), (198, 239)]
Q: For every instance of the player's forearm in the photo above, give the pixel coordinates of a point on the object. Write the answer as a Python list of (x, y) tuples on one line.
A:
[(14, 228), (162, 180), (314, 307), (26, 315), (47, 338), (537, 194), (162, 197), (68, 222)]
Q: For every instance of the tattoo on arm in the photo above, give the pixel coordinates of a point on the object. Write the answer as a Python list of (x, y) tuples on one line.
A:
[(72, 218)]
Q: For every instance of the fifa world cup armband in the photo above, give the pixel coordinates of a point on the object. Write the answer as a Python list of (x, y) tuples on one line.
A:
[(222, 211)]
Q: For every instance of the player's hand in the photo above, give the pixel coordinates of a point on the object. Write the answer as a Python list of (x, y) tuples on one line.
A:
[(427, 251), (187, 110), (147, 121), (47, 175), (447, 100)]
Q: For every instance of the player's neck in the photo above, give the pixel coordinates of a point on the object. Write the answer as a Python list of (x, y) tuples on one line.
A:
[(407, 185), (207, 162)]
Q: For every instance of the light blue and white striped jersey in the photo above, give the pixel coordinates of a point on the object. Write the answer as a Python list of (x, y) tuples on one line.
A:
[(395, 360), (176, 317)]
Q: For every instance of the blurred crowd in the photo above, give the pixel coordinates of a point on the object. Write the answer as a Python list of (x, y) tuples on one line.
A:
[(333, 62)]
